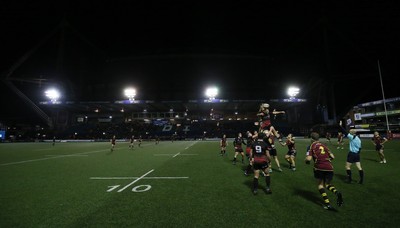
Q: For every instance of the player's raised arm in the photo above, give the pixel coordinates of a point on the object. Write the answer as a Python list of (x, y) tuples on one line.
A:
[(275, 112), (342, 129)]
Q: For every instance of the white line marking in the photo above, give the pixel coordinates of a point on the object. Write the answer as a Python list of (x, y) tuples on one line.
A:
[(43, 149), (173, 155), (190, 145), (67, 155), (134, 178), (122, 189), (47, 158)]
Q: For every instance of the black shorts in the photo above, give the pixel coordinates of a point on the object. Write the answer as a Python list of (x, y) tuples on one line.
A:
[(239, 149), (262, 166), (323, 175), (353, 157), (378, 147), (291, 153), (272, 152)]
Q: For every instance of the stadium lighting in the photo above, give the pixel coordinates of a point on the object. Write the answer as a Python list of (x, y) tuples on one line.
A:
[(130, 93), (52, 94), (293, 91), (211, 93)]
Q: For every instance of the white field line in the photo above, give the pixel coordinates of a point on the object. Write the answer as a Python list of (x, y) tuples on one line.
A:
[(179, 153), (54, 157), (174, 155), (134, 178), (44, 149), (67, 155), (191, 145), (122, 189)]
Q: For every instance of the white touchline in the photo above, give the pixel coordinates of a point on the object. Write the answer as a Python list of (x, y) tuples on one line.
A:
[(122, 189), (47, 158), (176, 154), (173, 155), (190, 145), (66, 155), (133, 178)]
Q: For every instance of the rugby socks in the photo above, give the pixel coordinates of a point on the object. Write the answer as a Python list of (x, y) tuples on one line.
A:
[(332, 188), (255, 183), (324, 196), (248, 169), (268, 181), (349, 179), (361, 172)]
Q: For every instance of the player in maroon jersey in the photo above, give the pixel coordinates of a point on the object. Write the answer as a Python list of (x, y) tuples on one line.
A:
[(260, 159), (328, 137), (113, 143), (389, 135), (273, 152), (378, 141), (140, 140), (223, 144), (237, 143), (264, 116), (323, 169), (132, 145), (290, 156), (250, 140), (340, 141)]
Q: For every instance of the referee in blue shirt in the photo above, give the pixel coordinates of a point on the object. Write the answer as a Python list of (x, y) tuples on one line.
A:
[(354, 154)]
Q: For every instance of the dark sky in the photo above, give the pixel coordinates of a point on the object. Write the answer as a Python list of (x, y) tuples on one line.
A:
[(173, 49)]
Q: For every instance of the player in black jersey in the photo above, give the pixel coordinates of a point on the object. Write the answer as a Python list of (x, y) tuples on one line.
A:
[(237, 143), (260, 158), (250, 140)]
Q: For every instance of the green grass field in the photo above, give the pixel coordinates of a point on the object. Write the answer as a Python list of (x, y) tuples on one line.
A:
[(184, 184)]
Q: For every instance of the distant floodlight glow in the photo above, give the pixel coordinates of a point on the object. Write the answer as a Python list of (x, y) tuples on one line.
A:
[(293, 91), (130, 93), (52, 94), (211, 93)]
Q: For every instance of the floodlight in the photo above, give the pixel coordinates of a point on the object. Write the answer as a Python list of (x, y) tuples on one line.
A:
[(130, 93), (211, 92), (52, 94), (293, 91)]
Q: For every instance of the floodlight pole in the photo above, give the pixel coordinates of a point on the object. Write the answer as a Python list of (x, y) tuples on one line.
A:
[(383, 96)]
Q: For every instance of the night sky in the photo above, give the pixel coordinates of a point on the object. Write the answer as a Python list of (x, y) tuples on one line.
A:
[(171, 50)]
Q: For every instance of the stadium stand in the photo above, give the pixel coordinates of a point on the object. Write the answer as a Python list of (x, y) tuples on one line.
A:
[(380, 115)]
